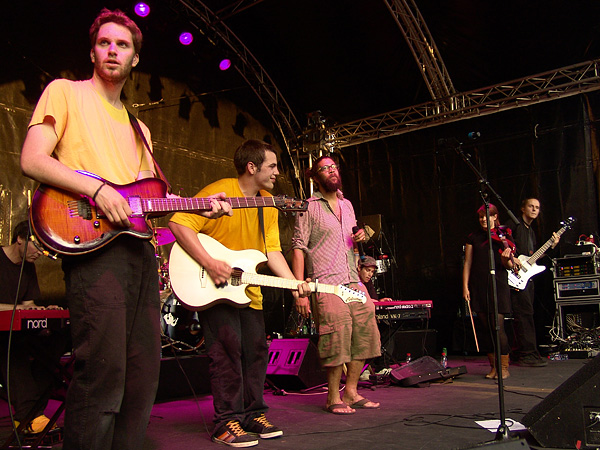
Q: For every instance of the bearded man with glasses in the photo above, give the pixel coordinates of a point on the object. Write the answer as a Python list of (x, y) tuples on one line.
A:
[(325, 237)]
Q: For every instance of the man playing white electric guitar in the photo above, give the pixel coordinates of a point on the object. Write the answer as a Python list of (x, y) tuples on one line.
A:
[(522, 299), (235, 336)]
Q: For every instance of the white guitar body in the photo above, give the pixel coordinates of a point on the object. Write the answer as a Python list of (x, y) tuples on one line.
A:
[(528, 266), (194, 287), (519, 281)]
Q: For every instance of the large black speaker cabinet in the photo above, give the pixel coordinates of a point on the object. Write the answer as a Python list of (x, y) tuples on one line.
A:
[(294, 364), (569, 417), (513, 444)]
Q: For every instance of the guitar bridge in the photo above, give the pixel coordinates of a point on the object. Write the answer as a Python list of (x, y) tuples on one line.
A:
[(236, 277), (80, 208)]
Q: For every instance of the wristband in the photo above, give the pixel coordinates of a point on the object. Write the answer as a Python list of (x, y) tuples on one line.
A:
[(98, 190)]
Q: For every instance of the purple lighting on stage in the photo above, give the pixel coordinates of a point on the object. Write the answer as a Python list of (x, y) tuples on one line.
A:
[(225, 64), (142, 10), (186, 38)]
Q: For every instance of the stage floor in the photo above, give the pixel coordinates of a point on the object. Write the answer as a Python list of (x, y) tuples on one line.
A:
[(440, 416)]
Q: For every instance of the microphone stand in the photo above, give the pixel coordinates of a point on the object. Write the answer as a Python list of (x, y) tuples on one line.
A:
[(503, 431)]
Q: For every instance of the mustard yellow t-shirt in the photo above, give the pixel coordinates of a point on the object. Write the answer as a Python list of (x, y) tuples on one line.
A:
[(238, 232), (92, 134)]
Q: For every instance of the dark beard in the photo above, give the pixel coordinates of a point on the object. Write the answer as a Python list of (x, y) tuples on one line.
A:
[(331, 186)]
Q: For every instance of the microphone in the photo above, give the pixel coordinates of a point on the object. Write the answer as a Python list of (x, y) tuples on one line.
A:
[(361, 250)]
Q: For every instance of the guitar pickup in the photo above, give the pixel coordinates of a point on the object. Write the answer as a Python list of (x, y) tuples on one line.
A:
[(135, 203)]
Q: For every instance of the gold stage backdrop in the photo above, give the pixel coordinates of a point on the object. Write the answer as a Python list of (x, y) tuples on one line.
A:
[(194, 142)]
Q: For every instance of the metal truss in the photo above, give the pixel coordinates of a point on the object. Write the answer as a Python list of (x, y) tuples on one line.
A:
[(543, 87), (212, 26), (421, 44)]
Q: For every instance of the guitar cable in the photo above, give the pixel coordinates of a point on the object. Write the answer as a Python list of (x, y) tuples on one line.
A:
[(39, 248)]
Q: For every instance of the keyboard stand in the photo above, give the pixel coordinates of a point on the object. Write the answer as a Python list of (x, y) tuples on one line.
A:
[(48, 436)]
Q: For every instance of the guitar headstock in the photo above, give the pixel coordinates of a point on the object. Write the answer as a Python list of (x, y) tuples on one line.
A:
[(285, 203), (350, 295), (568, 223)]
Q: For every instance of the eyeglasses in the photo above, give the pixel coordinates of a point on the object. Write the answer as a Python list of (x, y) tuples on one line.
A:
[(326, 168)]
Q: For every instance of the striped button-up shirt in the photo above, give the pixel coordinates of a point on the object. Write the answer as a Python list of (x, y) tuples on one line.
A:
[(327, 240)]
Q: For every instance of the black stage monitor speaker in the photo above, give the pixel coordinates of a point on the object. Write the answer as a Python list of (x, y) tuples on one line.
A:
[(569, 417), (294, 364)]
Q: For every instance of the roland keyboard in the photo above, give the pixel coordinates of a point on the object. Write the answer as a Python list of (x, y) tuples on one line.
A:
[(34, 319), (403, 310)]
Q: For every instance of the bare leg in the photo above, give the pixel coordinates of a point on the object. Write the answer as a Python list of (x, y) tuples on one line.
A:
[(334, 374), (351, 395)]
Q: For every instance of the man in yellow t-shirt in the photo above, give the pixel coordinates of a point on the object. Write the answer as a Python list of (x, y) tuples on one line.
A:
[(112, 292), (235, 337)]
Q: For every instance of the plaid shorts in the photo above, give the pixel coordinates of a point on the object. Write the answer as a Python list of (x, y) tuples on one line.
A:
[(347, 331)]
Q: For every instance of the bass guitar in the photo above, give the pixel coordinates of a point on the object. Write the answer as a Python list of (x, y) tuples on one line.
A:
[(194, 287), (72, 224), (529, 268)]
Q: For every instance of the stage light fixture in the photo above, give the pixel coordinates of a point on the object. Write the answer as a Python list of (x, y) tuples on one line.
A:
[(186, 38), (225, 64), (142, 9)]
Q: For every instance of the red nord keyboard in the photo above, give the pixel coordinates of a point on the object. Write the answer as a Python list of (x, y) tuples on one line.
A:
[(34, 319)]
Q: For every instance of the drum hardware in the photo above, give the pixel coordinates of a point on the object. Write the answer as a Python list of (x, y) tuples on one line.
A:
[(297, 325), (180, 328), (163, 236), (164, 282), (383, 264)]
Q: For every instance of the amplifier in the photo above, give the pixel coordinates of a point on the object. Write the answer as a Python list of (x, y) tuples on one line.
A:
[(576, 288), (575, 266)]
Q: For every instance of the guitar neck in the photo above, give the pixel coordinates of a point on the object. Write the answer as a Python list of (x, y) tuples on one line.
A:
[(540, 251), (167, 205), (272, 281)]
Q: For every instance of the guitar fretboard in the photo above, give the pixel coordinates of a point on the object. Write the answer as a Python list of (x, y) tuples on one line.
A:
[(165, 205), (271, 281), (540, 251)]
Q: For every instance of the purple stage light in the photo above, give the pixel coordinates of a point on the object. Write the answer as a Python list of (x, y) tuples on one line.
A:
[(225, 64), (186, 38), (142, 10)]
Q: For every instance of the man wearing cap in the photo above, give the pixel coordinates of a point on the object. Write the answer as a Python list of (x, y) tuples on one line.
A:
[(366, 270)]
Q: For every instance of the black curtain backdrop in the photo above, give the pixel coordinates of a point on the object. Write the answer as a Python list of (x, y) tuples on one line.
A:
[(428, 196)]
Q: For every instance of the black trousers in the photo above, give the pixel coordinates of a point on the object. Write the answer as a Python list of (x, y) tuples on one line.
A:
[(114, 305), (524, 325), (237, 346)]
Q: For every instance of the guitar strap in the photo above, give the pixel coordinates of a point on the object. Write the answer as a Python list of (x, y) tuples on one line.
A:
[(136, 126), (261, 221)]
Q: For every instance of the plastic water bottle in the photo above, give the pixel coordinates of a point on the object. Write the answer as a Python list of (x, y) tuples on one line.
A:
[(444, 360), (408, 358)]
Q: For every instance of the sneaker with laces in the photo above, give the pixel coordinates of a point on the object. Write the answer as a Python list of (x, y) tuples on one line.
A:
[(233, 435), (262, 427)]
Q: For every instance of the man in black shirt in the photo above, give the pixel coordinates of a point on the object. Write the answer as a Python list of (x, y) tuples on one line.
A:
[(30, 375), (522, 300)]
